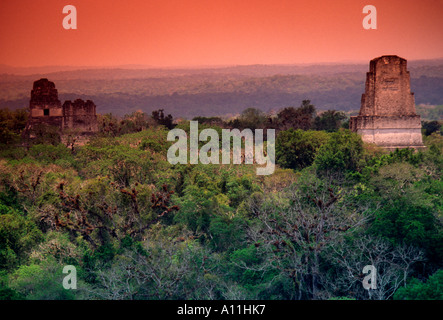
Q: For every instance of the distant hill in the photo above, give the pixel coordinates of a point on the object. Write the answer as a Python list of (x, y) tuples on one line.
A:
[(186, 92)]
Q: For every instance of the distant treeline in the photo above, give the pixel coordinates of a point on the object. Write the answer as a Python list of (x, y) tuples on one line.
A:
[(305, 117), (216, 94)]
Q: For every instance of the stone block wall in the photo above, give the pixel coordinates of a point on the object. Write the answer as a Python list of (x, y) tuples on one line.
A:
[(80, 115)]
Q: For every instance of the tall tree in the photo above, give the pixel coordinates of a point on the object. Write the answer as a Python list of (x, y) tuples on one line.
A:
[(330, 120), (295, 236), (160, 118), (296, 118)]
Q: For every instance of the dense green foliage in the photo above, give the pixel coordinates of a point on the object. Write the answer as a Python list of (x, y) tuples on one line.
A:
[(137, 227), (432, 289), (12, 124), (297, 149)]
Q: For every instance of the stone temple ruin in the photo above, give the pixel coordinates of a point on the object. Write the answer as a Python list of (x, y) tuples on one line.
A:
[(387, 115), (46, 108)]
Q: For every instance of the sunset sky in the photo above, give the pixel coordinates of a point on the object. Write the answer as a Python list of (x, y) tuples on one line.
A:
[(162, 33)]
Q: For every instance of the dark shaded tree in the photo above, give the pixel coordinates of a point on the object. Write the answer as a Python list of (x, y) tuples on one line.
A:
[(330, 120), (429, 127), (161, 119), (296, 118), (250, 118)]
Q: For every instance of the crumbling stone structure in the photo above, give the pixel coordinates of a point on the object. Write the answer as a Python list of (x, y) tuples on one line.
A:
[(387, 115), (80, 115), (46, 108)]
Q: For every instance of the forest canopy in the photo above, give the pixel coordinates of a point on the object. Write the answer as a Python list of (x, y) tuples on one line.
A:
[(137, 227)]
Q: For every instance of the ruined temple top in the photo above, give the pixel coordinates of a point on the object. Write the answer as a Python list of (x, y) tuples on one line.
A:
[(43, 83), (44, 92), (387, 90), (387, 59)]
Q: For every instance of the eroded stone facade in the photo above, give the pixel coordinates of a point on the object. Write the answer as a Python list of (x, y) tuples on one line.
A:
[(80, 115), (46, 108), (387, 115)]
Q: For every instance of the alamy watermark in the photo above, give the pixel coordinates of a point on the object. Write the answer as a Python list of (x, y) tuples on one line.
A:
[(70, 20), (370, 281), (370, 21), (70, 281), (254, 146)]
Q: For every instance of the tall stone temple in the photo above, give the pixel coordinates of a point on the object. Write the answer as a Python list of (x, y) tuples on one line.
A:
[(45, 108), (387, 115)]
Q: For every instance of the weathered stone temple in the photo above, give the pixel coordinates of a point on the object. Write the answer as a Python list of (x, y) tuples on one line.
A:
[(46, 108), (387, 115)]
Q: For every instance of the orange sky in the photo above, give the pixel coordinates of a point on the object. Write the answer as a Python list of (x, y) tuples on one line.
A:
[(216, 32)]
